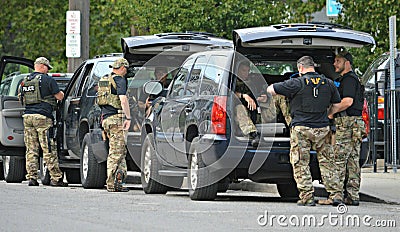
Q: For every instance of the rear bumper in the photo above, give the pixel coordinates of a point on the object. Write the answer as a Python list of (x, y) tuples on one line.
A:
[(268, 164)]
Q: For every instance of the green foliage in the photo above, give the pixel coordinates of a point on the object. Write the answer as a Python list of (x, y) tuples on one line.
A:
[(37, 28), (371, 16)]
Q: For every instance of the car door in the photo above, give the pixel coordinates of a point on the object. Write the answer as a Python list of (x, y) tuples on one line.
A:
[(169, 116), (73, 108), (184, 107), (12, 71)]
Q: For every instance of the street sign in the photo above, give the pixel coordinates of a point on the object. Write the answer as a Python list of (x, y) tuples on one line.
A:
[(73, 45), (73, 22), (333, 8)]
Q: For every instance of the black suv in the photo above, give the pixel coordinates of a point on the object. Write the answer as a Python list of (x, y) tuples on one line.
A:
[(192, 129), (82, 152)]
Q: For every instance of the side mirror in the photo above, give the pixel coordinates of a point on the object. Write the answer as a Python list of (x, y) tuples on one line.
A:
[(153, 87)]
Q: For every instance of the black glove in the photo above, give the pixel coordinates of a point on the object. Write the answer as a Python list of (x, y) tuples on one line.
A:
[(332, 125)]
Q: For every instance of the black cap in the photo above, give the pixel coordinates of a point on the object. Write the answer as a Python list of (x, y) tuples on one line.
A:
[(345, 54)]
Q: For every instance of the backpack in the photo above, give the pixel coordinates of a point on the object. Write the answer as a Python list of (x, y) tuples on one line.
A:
[(104, 94)]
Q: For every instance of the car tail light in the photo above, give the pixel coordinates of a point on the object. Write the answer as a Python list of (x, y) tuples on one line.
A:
[(381, 111), (365, 116), (218, 115), (381, 100)]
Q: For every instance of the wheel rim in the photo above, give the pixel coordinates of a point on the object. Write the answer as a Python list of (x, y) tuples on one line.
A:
[(147, 164), (6, 165), (194, 167), (85, 161)]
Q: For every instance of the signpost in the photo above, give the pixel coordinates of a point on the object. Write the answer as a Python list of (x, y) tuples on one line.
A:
[(393, 124), (333, 8), (73, 38)]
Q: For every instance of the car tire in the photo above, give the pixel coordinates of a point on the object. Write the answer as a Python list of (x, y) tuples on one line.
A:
[(223, 185), (73, 176), (152, 182), (93, 174), (200, 181), (288, 190), (14, 169), (44, 173)]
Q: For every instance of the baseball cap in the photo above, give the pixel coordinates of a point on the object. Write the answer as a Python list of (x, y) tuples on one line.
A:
[(120, 62), (43, 60), (345, 54)]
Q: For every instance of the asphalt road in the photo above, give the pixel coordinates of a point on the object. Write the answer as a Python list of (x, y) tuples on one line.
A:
[(73, 208)]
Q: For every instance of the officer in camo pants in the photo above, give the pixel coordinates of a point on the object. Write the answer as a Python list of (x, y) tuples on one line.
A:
[(116, 122), (349, 127), (270, 110), (310, 96), (39, 93), (246, 110)]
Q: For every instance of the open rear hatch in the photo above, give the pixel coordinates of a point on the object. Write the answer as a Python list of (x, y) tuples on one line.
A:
[(298, 36)]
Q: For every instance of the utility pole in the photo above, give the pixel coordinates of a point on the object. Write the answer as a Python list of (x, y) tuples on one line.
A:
[(84, 7)]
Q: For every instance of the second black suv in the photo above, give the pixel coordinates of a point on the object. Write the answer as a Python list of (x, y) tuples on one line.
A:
[(82, 152), (192, 130)]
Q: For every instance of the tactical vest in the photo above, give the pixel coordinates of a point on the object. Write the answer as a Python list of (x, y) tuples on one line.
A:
[(358, 101), (104, 95), (31, 92), (314, 96)]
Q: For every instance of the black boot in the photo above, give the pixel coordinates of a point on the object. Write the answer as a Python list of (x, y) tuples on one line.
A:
[(255, 136)]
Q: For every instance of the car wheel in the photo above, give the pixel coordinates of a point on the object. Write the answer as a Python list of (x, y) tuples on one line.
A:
[(93, 174), (13, 169), (223, 185), (73, 176), (152, 182), (44, 173), (200, 182), (288, 190)]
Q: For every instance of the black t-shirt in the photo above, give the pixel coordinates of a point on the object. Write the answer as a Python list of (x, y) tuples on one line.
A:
[(122, 86), (349, 86), (290, 88), (48, 87)]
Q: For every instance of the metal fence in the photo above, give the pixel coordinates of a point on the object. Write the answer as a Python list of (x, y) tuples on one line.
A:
[(390, 123)]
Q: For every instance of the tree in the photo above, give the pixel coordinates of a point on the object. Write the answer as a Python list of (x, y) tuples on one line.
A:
[(371, 16)]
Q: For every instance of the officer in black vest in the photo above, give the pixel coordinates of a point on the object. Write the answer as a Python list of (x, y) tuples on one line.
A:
[(39, 93), (350, 127), (310, 96)]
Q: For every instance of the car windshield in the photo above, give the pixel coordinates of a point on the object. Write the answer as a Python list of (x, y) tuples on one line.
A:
[(380, 63)]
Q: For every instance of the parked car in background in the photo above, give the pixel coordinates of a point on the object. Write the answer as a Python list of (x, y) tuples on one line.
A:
[(192, 132), (12, 148), (376, 79)]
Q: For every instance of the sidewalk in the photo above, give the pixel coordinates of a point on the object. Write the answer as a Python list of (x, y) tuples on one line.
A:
[(380, 185), (377, 187)]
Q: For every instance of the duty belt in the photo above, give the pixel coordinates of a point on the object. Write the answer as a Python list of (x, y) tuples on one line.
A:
[(341, 114)]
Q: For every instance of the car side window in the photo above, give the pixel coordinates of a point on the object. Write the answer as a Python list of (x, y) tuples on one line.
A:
[(84, 79), (101, 69), (195, 75), (178, 85), (213, 74)]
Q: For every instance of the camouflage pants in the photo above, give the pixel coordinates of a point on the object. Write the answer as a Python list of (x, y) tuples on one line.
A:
[(36, 128), (270, 110), (243, 120), (302, 140), (117, 153), (347, 151)]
